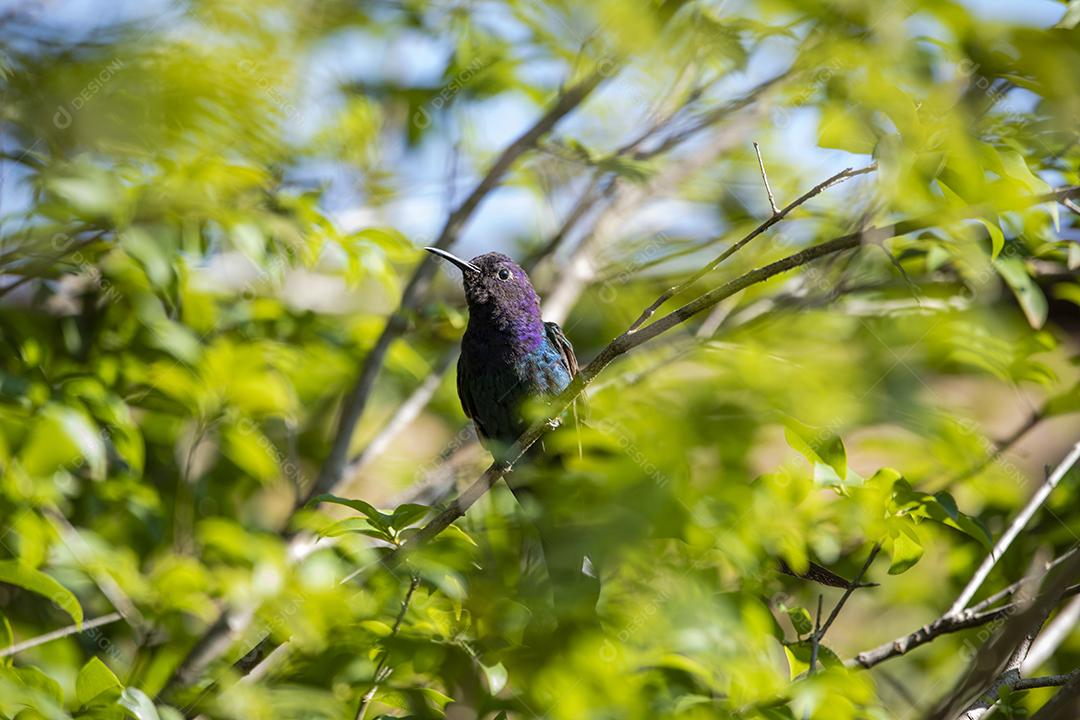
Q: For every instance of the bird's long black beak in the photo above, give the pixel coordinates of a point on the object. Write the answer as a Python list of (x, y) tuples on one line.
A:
[(463, 264)]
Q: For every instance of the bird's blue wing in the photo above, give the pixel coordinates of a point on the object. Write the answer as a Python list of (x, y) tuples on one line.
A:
[(566, 350)]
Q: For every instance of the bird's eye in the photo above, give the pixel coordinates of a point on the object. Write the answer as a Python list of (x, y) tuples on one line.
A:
[(504, 274)]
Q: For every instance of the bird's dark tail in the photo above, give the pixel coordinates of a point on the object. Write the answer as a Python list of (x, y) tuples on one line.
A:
[(822, 575), (558, 549)]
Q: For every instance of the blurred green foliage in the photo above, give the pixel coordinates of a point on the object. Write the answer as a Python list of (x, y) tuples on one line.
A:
[(184, 302)]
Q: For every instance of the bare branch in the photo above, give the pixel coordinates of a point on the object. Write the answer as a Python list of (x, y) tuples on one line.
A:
[(1050, 639), (405, 414), (1010, 590), (1046, 681), (927, 633), (815, 637), (1065, 704), (775, 218), (852, 587), (61, 633), (997, 663), (765, 179), (1013, 530), (102, 578)]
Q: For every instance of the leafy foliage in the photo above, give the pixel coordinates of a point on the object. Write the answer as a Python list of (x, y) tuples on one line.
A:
[(210, 213)]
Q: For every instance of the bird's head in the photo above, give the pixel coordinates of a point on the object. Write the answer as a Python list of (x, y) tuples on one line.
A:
[(494, 284)]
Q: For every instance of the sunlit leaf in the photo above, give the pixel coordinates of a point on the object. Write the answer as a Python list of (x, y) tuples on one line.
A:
[(139, 704), (1027, 292), (61, 437), (14, 572), (95, 679)]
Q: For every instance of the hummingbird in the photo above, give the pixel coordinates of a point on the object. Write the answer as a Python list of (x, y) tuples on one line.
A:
[(511, 357)]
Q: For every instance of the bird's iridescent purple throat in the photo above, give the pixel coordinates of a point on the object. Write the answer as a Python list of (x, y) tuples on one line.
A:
[(509, 355)]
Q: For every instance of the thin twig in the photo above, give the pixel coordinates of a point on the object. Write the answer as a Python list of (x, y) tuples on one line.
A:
[(1012, 531), (1002, 446), (1050, 639), (942, 626), (765, 179), (1010, 590), (1046, 681), (773, 219), (61, 633), (381, 671), (815, 637), (855, 585)]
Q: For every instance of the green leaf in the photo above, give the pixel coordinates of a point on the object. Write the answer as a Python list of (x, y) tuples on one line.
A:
[(14, 572), (407, 514), (6, 636), (250, 450), (1069, 292), (62, 437), (936, 257), (380, 520), (1063, 404), (800, 620), (377, 628), (94, 679), (1072, 16), (799, 655), (346, 526), (1015, 166), (456, 533), (1028, 294), (997, 238), (824, 451), (35, 679), (436, 698), (139, 704), (906, 550), (943, 509), (496, 677), (841, 129)]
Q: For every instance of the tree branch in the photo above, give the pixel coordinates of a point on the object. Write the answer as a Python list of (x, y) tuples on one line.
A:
[(942, 626), (1013, 530), (1050, 639), (1046, 681), (773, 219), (855, 585), (61, 633), (765, 179)]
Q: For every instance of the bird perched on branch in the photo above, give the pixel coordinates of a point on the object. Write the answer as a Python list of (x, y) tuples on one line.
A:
[(509, 358), (509, 355)]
